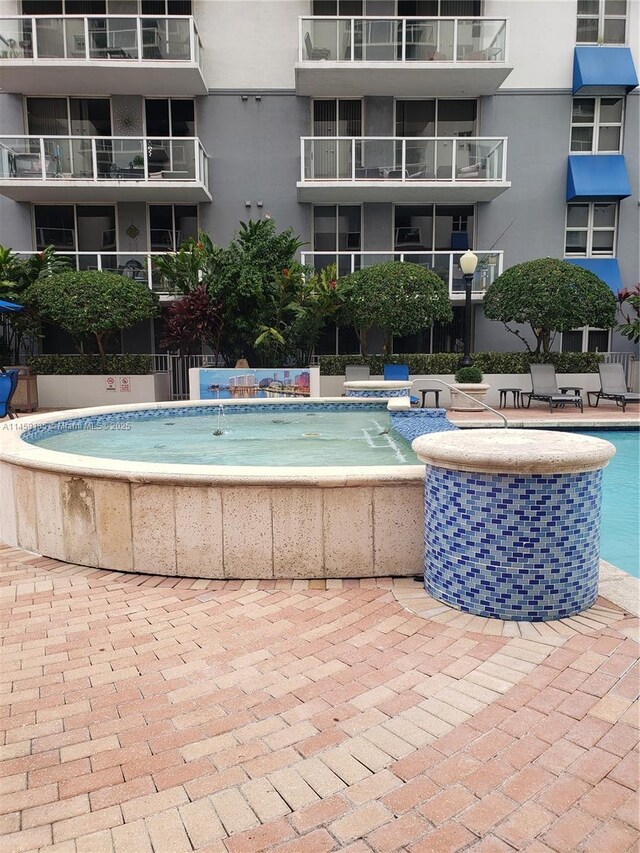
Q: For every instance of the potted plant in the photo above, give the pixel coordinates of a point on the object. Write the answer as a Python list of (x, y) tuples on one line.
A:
[(468, 380)]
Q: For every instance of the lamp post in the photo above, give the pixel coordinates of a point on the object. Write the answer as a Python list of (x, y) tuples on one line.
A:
[(468, 264)]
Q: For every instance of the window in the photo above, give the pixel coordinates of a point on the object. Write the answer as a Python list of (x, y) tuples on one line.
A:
[(440, 117), (439, 8), (337, 7), (426, 227), (591, 229), (596, 125), (601, 21), (337, 117), (69, 116), (71, 228), (170, 225), (169, 117), (586, 340), (336, 228), (99, 7)]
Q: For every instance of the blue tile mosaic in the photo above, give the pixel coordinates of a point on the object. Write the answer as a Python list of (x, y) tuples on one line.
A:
[(513, 547), (417, 422), (37, 433), (395, 392)]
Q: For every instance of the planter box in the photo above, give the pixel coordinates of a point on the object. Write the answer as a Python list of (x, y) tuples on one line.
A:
[(76, 392), (460, 402), (25, 398)]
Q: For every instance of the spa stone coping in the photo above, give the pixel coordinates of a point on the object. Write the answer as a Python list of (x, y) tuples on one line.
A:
[(522, 451), (15, 451), (376, 385)]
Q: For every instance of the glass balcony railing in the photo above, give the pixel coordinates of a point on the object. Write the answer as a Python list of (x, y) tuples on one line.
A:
[(102, 158), (376, 158), (139, 266), (402, 39), (112, 37), (445, 264)]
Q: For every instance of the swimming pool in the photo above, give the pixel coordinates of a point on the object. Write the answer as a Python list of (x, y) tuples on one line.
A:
[(620, 539)]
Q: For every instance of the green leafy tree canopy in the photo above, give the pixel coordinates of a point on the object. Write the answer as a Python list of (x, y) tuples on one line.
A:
[(92, 304), (550, 296), (398, 297)]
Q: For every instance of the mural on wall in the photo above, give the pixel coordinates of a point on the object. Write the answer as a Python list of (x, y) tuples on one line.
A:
[(245, 383)]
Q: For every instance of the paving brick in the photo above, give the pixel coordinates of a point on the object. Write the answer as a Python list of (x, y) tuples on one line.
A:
[(87, 823), (47, 814), (167, 832), (96, 842), (319, 777), (201, 822), (446, 804), (372, 788), (603, 800), (29, 839), (264, 799), (319, 813), (525, 825), (142, 807), (293, 789), (261, 838), (570, 830), (131, 837), (315, 842), (447, 839), (360, 822), (399, 833), (234, 811)]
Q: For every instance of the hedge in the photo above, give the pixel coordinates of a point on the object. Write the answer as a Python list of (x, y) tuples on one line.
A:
[(444, 363), (90, 365)]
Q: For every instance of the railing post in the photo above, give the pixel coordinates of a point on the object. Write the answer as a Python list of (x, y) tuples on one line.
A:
[(34, 38), (403, 164), (454, 156), (139, 37), (352, 24), (94, 158), (300, 55), (43, 162), (353, 159), (192, 40), (145, 157), (87, 52), (65, 46), (503, 177), (455, 39), (404, 40), (302, 160)]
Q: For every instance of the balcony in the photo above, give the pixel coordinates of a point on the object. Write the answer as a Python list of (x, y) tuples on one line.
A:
[(101, 55), (445, 264), (388, 56), (103, 168), (387, 169)]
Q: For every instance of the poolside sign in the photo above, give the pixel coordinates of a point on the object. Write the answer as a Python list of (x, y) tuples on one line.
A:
[(110, 383), (215, 383)]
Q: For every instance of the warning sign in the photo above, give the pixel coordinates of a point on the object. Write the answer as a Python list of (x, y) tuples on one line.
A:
[(110, 383), (125, 383)]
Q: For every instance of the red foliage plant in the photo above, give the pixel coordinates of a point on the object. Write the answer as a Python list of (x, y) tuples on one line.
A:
[(193, 322)]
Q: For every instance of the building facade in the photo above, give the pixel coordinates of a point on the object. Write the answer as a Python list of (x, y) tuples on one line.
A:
[(376, 129)]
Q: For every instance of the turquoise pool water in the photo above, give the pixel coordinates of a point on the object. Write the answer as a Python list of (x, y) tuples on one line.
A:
[(620, 536), (281, 439)]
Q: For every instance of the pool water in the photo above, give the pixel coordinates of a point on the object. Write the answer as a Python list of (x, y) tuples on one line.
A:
[(620, 532), (282, 439)]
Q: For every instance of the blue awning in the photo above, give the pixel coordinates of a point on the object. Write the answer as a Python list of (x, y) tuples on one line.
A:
[(605, 268), (597, 177), (6, 307), (603, 71)]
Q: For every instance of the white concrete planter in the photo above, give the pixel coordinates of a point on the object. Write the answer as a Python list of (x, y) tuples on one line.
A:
[(462, 403), (77, 392)]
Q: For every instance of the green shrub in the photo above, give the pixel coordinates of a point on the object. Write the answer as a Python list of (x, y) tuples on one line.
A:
[(447, 363), (90, 365), (470, 374)]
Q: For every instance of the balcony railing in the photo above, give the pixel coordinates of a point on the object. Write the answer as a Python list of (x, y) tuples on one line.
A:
[(445, 264), (57, 159), (392, 39), (139, 266), (101, 37), (376, 158)]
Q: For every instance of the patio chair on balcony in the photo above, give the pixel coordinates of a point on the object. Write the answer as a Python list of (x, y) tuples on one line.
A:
[(315, 52), (613, 386), (544, 387)]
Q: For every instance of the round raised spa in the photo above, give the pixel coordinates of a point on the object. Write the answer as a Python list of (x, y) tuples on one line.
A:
[(70, 491)]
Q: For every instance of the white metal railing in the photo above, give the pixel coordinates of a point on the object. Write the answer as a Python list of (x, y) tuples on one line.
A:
[(102, 158), (402, 40), (406, 159), (161, 38), (139, 266), (444, 263)]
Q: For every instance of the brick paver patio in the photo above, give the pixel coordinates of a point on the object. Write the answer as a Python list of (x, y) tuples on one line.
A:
[(153, 714)]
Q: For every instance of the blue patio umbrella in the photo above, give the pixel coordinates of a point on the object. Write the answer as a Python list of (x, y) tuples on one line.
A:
[(9, 307)]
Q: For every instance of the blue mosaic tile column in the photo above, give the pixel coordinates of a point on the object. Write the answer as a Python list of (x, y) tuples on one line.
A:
[(394, 392), (510, 545)]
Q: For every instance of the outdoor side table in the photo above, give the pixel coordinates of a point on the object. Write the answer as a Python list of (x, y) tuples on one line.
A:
[(564, 389), (516, 392), (434, 391)]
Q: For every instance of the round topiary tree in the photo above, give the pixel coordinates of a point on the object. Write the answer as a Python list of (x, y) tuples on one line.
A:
[(397, 297), (551, 296), (92, 304)]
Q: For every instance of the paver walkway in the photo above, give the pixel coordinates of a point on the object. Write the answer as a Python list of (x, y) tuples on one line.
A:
[(154, 714)]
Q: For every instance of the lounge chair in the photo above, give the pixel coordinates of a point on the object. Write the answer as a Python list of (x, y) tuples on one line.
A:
[(8, 385), (315, 52), (398, 373), (544, 387), (357, 372), (613, 386)]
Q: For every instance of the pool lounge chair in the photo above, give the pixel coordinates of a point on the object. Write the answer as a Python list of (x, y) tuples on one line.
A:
[(357, 372), (398, 373), (544, 387), (613, 386)]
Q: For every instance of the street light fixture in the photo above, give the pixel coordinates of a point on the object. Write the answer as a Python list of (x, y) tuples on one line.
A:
[(468, 264)]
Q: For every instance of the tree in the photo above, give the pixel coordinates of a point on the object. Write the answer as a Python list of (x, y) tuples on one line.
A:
[(629, 307), (397, 297), (193, 321), (20, 330), (92, 304), (551, 296)]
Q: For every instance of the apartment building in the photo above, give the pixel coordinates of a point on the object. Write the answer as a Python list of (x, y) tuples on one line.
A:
[(376, 129)]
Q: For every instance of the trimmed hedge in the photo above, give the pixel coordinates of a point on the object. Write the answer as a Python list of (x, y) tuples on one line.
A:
[(444, 363), (90, 365)]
